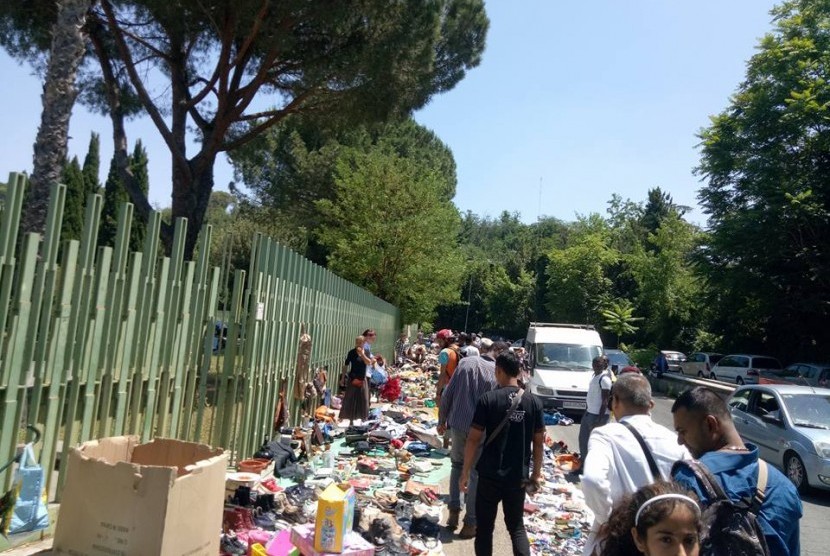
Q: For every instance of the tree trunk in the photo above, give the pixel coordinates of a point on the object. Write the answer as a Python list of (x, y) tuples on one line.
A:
[(191, 195), (58, 98)]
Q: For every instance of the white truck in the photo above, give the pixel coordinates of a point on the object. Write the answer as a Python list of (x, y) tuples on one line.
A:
[(560, 357)]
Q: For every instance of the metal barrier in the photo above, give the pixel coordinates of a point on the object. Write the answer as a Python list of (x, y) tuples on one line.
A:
[(97, 341), (714, 385)]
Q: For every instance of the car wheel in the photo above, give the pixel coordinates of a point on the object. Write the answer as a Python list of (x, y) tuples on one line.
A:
[(700, 374), (712, 376), (739, 381), (796, 472)]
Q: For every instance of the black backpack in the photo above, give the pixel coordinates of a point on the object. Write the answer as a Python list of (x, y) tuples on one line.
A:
[(729, 528)]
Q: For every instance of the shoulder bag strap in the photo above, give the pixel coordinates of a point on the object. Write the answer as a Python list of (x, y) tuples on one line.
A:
[(652, 465), (760, 495), (708, 482), (513, 405)]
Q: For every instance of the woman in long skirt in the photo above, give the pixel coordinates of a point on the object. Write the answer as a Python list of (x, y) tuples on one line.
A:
[(355, 404)]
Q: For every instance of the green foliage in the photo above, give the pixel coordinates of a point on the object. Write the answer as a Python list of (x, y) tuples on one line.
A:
[(764, 160), (115, 195), (669, 290), (385, 210), (198, 66), (92, 163), (292, 166), (73, 211), (619, 318), (578, 284)]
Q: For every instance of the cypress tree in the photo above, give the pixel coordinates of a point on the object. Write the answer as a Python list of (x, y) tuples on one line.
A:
[(114, 195), (92, 163), (138, 165), (73, 211)]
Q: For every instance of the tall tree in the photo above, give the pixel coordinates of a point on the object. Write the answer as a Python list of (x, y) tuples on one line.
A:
[(292, 166), (578, 282), (386, 208), (211, 66), (92, 164), (765, 162), (141, 173), (66, 50), (73, 210)]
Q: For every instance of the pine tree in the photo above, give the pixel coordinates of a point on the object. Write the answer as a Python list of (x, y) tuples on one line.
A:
[(92, 163), (73, 211)]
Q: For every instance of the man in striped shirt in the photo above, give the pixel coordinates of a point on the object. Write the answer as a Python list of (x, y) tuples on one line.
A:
[(474, 376)]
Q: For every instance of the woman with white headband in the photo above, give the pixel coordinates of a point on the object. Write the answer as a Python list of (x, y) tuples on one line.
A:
[(660, 519)]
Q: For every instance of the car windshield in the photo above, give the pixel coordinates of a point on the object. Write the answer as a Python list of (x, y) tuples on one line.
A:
[(809, 410), (572, 357)]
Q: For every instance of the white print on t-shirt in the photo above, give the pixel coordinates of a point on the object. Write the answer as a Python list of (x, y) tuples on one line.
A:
[(517, 415)]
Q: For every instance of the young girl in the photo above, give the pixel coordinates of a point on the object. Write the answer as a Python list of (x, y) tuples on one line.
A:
[(660, 519)]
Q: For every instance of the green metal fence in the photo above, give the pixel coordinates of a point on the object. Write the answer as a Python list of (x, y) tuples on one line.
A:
[(98, 341)]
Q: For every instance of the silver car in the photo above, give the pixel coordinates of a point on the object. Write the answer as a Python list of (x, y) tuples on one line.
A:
[(791, 427)]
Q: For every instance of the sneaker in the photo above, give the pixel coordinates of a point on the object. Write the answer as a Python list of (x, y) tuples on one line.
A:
[(452, 521), (467, 532)]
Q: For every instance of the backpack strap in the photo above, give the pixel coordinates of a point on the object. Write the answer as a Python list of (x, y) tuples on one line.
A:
[(652, 465), (710, 485), (513, 405), (760, 490)]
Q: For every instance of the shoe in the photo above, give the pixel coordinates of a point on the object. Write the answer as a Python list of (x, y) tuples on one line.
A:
[(230, 544), (467, 532), (452, 521)]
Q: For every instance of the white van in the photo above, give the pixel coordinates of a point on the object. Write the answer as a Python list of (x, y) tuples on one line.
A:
[(560, 357)]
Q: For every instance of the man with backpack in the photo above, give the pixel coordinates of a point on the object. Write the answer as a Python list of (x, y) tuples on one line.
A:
[(628, 454), (742, 495)]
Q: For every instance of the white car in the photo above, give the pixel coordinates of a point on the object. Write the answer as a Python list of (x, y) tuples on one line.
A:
[(791, 427), (743, 369), (700, 364)]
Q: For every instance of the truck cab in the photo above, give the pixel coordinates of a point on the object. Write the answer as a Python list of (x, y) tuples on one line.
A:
[(560, 357)]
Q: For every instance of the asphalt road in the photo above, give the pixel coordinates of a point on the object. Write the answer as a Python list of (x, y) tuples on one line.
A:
[(815, 533)]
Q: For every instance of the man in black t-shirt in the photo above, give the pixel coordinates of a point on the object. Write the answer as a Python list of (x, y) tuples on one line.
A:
[(503, 466)]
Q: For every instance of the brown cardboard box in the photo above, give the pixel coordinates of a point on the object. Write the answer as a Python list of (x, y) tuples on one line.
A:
[(121, 497)]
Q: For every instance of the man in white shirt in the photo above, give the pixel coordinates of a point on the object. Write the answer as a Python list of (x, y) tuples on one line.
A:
[(617, 464), (596, 413)]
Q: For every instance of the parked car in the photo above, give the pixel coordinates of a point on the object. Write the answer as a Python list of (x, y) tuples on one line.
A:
[(788, 375), (700, 363), (807, 374), (675, 359), (790, 425), (743, 369), (619, 360)]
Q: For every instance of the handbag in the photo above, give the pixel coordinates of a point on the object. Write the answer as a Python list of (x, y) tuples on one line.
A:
[(30, 513)]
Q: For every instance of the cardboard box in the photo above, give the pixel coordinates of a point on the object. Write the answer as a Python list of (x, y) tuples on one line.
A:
[(121, 497), (302, 536), (335, 517)]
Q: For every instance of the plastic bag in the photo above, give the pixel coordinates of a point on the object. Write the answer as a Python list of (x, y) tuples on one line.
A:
[(30, 513)]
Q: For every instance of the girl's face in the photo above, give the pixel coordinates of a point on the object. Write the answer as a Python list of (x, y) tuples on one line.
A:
[(675, 535)]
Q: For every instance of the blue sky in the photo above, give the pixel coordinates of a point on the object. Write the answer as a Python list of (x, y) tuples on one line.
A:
[(587, 98)]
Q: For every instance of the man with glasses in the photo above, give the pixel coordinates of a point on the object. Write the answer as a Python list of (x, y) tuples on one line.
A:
[(617, 463)]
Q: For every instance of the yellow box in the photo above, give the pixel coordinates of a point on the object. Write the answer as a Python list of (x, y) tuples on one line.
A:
[(335, 517)]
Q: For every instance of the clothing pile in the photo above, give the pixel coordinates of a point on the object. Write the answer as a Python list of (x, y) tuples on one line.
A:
[(389, 466), (556, 517)]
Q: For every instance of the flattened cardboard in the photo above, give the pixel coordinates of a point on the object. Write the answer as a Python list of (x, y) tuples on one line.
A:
[(121, 497)]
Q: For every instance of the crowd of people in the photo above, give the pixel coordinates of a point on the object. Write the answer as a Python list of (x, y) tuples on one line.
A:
[(651, 490)]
